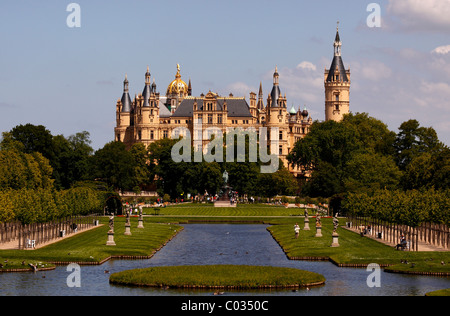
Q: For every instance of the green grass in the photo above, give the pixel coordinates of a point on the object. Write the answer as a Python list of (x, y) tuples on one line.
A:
[(90, 246), (217, 276), (445, 292), (244, 210), (353, 249)]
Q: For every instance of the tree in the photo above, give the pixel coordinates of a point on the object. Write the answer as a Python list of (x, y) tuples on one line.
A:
[(141, 164), (428, 170), (35, 138), (354, 154), (371, 171), (413, 140), (171, 177), (115, 165)]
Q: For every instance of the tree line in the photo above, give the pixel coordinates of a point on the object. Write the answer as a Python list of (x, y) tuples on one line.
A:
[(45, 176), (42, 177), (360, 154)]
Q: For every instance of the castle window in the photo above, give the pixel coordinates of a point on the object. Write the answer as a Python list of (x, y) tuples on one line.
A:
[(219, 119), (118, 137), (337, 97), (281, 135), (165, 134), (337, 107), (152, 136), (140, 135), (281, 150), (210, 119)]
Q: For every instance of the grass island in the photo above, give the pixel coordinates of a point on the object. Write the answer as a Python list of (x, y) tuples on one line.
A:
[(218, 276)]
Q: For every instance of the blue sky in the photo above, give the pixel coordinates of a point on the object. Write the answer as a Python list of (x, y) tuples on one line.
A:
[(69, 79)]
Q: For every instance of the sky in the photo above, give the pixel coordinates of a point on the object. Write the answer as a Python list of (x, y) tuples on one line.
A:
[(70, 78)]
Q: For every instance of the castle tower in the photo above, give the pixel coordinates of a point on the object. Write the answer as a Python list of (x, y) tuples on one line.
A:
[(277, 120), (337, 85), (123, 115)]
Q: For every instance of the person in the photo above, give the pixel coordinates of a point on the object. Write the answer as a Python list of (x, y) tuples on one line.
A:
[(297, 230), (402, 243)]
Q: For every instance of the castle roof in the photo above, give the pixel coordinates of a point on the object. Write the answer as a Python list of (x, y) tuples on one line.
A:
[(337, 64), (236, 107)]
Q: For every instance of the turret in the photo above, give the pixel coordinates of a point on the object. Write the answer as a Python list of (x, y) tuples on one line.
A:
[(337, 85)]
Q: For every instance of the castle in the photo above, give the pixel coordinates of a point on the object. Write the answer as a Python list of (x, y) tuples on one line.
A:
[(150, 116)]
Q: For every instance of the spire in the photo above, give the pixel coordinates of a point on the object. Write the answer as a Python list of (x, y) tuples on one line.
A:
[(147, 89), (337, 66), (126, 100), (260, 94), (154, 86), (178, 75), (147, 76), (337, 42), (189, 88), (125, 84), (276, 76)]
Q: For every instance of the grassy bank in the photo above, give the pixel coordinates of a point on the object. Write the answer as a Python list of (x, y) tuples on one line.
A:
[(208, 210), (218, 276), (90, 246), (354, 249), (445, 292)]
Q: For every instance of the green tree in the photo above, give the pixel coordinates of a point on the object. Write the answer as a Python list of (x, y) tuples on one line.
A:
[(371, 171), (171, 177), (141, 164), (115, 165), (413, 140)]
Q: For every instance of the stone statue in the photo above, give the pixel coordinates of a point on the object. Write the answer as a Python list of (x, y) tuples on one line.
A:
[(335, 222), (225, 177), (306, 215), (318, 220), (111, 223), (128, 217)]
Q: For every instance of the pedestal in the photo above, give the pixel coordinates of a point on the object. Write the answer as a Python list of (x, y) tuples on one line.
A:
[(127, 230), (306, 225), (335, 240), (110, 241), (318, 231), (140, 223)]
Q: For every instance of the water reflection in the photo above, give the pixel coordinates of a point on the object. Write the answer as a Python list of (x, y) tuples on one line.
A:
[(201, 244)]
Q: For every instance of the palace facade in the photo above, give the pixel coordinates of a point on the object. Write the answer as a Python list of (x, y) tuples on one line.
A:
[(151, 116)]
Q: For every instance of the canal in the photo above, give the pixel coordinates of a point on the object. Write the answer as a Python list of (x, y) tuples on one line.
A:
[(205, 244)]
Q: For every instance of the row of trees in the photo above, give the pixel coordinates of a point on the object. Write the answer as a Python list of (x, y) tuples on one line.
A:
[(401, 207), (128, 169), (360, 154), (44, 204), (40, 176)]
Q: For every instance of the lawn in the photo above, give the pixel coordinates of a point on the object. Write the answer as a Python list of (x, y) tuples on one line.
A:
[(218, 276), (208, 210), (90, 246), (354, 249)]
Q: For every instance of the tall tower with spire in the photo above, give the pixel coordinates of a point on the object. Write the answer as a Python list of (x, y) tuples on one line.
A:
[(337, 85), (123, 115)]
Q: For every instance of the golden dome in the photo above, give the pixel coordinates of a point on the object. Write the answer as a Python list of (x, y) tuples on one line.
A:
[(177, 86)]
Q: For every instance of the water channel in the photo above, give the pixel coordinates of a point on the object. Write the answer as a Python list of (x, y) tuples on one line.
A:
[(202, 244)]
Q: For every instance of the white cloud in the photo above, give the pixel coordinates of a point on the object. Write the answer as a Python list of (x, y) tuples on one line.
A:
[(307, 66), (372, 70), (442, 50), (421, 15), (240, 89)]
